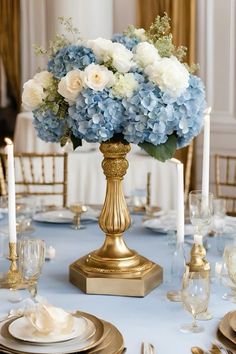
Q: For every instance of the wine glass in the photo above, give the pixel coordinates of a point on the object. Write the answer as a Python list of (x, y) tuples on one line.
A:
[(78, 208), (230, 265), (31, 253), (25, 210), (218, 222), (200, 210), (195, 296)]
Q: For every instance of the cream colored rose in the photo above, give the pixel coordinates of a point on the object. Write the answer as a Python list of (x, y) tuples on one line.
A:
[(44, 78), (71, 85), (170, 75), (101, 48), (97, 77), (146, 54), (121, 58), (140, 33), (33, 95), (124, 85)]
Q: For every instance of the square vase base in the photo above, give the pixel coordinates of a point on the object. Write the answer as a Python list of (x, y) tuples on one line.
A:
[(95, 283)]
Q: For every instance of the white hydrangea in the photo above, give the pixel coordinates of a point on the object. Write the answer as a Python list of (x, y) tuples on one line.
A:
[(97, 77), (33, 95), (146, 54), (71, 85), (44, 78), (170, 75), (124, 85)]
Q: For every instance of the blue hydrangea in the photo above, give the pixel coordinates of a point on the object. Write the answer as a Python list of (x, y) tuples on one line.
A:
[(189, 110), (49, 127), (70, 58), (128, 42), (96, 116), (151, 115)]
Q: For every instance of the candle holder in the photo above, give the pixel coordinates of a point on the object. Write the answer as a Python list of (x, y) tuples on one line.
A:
[(12, 279)]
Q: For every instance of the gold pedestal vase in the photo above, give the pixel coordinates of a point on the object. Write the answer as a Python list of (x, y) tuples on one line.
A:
[(114, 269)]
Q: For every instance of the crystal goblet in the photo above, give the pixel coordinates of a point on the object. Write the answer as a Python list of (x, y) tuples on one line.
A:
[(78, 208), (31, 259), (195, 296)]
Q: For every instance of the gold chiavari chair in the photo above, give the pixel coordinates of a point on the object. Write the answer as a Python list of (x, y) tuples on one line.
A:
[(225, 177), (40, 174)]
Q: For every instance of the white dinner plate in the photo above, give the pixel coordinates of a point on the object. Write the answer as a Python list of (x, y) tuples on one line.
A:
[(77, 344), (22, 329), (64, 216), (156, 225)]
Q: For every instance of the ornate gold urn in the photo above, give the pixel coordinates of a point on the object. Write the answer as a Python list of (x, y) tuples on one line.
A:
[(115, 269)]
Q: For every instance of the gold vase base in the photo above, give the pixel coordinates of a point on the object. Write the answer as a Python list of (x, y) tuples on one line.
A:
[(137, 281)]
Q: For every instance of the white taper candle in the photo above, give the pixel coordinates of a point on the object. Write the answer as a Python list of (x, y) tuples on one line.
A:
[(11, 190), (206, 154), (180, 199)]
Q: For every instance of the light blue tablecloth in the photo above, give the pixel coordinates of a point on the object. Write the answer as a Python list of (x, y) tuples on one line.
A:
[(153, 318)]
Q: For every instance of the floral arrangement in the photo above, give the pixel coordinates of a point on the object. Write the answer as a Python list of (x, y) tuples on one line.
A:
[(133, 88)]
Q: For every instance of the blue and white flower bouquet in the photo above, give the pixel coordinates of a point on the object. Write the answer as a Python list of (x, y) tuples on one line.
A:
[(133, 88)]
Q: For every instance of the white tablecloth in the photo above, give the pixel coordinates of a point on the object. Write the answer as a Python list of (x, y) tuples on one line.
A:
[(86, 181), (153, 318)]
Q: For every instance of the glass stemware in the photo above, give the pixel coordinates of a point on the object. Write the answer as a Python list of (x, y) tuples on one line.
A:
[(195, 296), (31, 259), (218, 222), (200, 210), (230, 276), (78, 208)]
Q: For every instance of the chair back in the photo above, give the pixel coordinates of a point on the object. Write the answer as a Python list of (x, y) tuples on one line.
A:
[(40, 174), (225, 178)]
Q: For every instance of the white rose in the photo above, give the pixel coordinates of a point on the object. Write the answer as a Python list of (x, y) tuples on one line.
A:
[(97, 77), (170, 75), (124, 85), (146, 54), (32, 95), (101, 48), (121, 58), (140, 33), (71, 85), (44, 78)]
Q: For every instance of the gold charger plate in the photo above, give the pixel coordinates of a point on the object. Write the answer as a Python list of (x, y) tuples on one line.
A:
[(226, 330), (113, 342), (10, 344), (226, 342), (232, 320)]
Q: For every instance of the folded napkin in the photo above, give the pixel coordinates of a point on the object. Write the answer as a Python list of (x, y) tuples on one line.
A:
[(50, 320)]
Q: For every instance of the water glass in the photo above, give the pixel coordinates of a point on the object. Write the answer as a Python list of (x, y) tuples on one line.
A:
[(195, 297), (200, 210), (31, 258)]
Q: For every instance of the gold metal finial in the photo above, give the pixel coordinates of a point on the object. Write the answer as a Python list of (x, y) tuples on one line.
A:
[(148, 201), (197, 262)]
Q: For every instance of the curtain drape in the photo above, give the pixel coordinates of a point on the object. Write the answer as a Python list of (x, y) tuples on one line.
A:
[(183, 22), (10, 46)]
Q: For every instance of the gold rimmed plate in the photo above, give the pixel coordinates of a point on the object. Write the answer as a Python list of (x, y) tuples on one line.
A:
[(227, 334), (70, 346), (226, 342), (232, 320)]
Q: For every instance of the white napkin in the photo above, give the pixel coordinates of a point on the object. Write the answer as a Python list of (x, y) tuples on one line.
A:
[(47, 319)]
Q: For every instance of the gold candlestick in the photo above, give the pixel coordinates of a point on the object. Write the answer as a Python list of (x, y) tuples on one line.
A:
[(148, 202), (13, 277)]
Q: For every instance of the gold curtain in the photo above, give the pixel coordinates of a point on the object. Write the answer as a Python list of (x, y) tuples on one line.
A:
[(10, 46), (183, 21)]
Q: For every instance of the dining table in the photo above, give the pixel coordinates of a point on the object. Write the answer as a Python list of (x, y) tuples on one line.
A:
[(152, 318)]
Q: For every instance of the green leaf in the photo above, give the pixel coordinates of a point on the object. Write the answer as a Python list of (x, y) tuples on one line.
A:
[(161, 152), (75, 141)]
